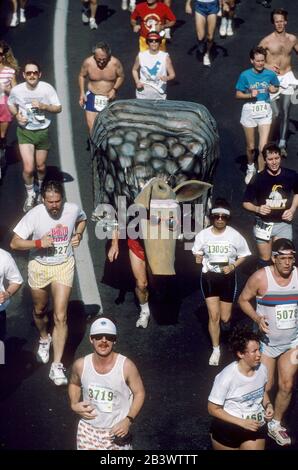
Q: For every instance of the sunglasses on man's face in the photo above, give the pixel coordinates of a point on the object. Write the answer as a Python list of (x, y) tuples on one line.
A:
[(154, 40), (32, 72), (100, 336), (220, 216)]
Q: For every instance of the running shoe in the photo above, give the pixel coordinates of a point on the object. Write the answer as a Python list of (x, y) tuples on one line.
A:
[(143, 320), (29, 202), (92, 23), (22, 16), (230, 31), (167, 33), (14, 20), (279, 434), (57, 374), (85, 17), (43, 352), (206, 60), (214, 358), (250, 173), (223, 27), (132, 5)]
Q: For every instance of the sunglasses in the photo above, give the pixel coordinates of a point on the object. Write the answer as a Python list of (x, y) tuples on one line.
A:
[(32, 72), (220, 216), (153, 40), (108, 337)]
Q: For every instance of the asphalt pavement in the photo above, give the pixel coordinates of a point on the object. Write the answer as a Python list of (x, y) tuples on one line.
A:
[(172, 355)]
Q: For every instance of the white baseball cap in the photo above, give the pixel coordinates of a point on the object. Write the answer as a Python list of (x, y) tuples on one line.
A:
[(103, 325)]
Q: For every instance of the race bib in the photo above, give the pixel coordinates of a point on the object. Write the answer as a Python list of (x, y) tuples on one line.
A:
[(61, 249), (260, 109), (257, 415), (218, 252), (100, 102), (102, 397), (286, 316), (262, 230)]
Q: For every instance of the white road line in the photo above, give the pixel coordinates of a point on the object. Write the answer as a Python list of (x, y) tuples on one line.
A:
[(85, 270)]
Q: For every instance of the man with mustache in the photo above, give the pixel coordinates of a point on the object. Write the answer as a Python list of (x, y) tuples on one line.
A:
[(50, 231), (113, 392), (31, 103), (104, 74)]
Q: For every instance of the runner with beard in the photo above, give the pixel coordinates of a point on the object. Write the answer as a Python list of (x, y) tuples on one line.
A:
[(113, 392), (50, 231)]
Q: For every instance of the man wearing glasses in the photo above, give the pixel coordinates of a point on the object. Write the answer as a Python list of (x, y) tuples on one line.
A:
[(104, 74), (113, 392), (275, 289), (151, 16), (30, 102), (152, 70)]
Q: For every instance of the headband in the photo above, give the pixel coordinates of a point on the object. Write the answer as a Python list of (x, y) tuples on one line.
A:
[(220, 210), (280, 252)]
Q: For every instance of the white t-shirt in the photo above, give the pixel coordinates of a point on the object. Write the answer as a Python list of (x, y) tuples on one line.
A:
[(22, 96), (240, 396), (37, 222), (221, 249), (9, 272)]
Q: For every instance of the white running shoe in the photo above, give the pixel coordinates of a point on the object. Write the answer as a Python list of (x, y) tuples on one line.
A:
[(43, 352), (143, 320), (92, 23), (223, 27), (132, 5), (29, 202), (167, 33), (279, 434), (14, 20), (249, 174), (85, 17), (22, 16), (230, 31), (206, 59), (124, 5), (214, 358), (57, 374)]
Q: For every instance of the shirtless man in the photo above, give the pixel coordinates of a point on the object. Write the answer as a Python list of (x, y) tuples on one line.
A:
[(279, 46), (105, 76)]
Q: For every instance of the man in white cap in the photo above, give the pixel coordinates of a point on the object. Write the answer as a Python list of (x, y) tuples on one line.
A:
[(113, 392)]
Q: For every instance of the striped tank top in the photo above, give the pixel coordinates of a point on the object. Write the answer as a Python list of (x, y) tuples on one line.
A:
[(280, 307)]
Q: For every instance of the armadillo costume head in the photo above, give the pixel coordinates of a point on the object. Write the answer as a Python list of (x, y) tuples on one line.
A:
[(162, 226)]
